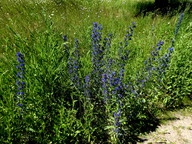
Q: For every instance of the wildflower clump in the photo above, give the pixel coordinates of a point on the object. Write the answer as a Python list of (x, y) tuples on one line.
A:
[(121, 105)]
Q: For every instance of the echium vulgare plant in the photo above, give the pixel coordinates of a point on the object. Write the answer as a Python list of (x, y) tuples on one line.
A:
[(150, 76), (97, 52), (87, 87), (20, 82), (152, 67), (113, 72), (108, 68), (124, 53), (119, 86), (113, 86), (166, 58), (66, 50), (155, 67), (99, 47), (165, 63), (74, 66)]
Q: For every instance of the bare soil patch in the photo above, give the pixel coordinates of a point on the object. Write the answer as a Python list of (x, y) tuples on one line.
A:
[(175, 129)]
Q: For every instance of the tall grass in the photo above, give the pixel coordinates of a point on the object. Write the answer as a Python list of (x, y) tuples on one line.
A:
[(87, 72)]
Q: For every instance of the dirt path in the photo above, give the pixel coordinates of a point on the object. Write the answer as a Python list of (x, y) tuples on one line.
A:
[(176, 130)]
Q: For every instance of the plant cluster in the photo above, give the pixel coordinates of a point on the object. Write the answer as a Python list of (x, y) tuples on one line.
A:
[(61, 100), (117, 101)]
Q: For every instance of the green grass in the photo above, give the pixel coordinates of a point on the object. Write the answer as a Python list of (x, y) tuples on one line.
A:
[(54, 109)]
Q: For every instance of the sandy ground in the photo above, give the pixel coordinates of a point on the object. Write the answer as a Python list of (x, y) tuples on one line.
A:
[(178, 130)]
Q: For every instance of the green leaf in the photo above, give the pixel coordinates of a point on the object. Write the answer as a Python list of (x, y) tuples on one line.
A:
[(30, 129), (109, 127), (77, 132)]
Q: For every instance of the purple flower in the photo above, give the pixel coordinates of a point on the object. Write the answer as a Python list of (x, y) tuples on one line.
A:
[(22, 64), (134, 24), (20, 104), (18, 76), (116, 116), (20, 60), (20, 93), (65, 38), (171, 49), (87, 78), (20, 87), (76, 67), (17, 82), (19, 54), (161, 42), (95, 24)]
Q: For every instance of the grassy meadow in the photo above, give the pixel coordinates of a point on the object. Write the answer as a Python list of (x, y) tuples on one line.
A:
[(91, 71)]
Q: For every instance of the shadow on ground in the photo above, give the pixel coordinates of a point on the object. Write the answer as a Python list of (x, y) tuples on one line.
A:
[(144, 8), (139, 126), (153, 125)]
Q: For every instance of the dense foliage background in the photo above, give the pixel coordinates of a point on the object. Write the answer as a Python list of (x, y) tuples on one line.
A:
[(91, 71)]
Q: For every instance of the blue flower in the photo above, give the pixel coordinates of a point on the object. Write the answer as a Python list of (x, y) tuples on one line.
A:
[(20, 60), (19, 55), (171, 49), (65, 38), (95, 24), (117, 116), (20, 87), (74, 66), (20, 93), (161, 42), (22, 64), (17, 82), (20, 104)]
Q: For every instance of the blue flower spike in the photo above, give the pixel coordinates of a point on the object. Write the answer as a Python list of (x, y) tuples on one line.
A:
[(20, 75)]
